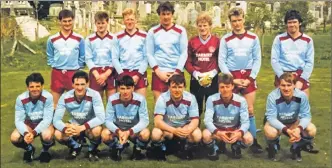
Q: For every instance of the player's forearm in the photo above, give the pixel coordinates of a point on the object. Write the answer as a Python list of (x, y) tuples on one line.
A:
[(304, 122), (163, 126), (275, 123), (193, 124), (111, 126), (140, 126)]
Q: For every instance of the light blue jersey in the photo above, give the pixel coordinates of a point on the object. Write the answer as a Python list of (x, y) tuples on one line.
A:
[(65, 53), (219, 115), (98, 51), (132, 116), (34, 111), (279, 112), (167, 49), (177, 114), (129, 52), (289, 54), (240, 53), (89, 112)]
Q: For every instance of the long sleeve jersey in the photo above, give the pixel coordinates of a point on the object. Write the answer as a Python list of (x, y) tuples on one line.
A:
[(98, 50), (65, 52), (237, 53), (218, 114), (279, 113), (35, 111), (203, 55), (167, 49), (132, 116), (290, 54), (177, 114), (90, 111), (129, 51)]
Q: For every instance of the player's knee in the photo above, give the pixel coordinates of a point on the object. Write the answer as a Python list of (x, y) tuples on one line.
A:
[(105, 135), (144, 134), (251, 110), (96, 131), (196, 135), (207, 136), (15, 136), (58, 135), (270, 132), (311, 130), (248, 139), (156, 134)]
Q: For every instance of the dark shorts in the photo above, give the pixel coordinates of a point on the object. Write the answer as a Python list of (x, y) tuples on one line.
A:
[(159, 85), (244, 74), (31, 124), (297, 75), (143, 80), (61, 82), (109, 84)]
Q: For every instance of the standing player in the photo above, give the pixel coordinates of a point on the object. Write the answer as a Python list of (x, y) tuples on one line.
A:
[(226, 119), (202, 62), (65, 54), (293, 51), (240, 56), (176, 115), (129, 52), (87, 114), (98, 50), (166, 49), (288, 112), (126, 119), (33, 116)]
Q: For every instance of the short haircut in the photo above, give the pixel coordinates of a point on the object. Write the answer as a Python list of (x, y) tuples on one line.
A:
[(292, 14), (128, 11), (166, 6), (34, 77), (65, 13), (177, 79), (236, 11), (225, 79), (204, 17), (80, 74), (288, 77), (125, 80), (101, 15)]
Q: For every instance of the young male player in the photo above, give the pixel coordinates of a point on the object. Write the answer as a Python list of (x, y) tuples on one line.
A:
[(293, 51), (129, 52), (176, 116), (202, 62), (65, 54), (288, 112), (240, 56), (226, 119), (33, 117), (126, 119), (87, 113), (98, 50), (166, 46)]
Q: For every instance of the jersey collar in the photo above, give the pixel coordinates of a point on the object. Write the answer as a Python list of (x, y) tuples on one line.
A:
[(65, 38), (132, 34)]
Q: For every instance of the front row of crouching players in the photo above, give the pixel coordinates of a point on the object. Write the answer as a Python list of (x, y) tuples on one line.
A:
[(87, 114), (226, 120), (288, 112), (176, 116), (126, 119)]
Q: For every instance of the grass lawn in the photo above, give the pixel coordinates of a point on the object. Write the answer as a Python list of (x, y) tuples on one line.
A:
[(13, 83)]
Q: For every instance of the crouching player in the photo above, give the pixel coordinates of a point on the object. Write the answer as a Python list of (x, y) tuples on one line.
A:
[(226, 119), (288, 112), (33, 116), (126, 119), (176, 115), (87, 114)]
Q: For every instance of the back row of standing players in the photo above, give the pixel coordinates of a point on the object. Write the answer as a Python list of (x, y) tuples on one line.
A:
[(166, 49)]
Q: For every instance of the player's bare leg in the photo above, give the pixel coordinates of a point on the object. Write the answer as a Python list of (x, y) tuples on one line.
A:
[(94, 136), (141, 141), (141, 91), (56, 97), (250, 98), (156, 94)]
